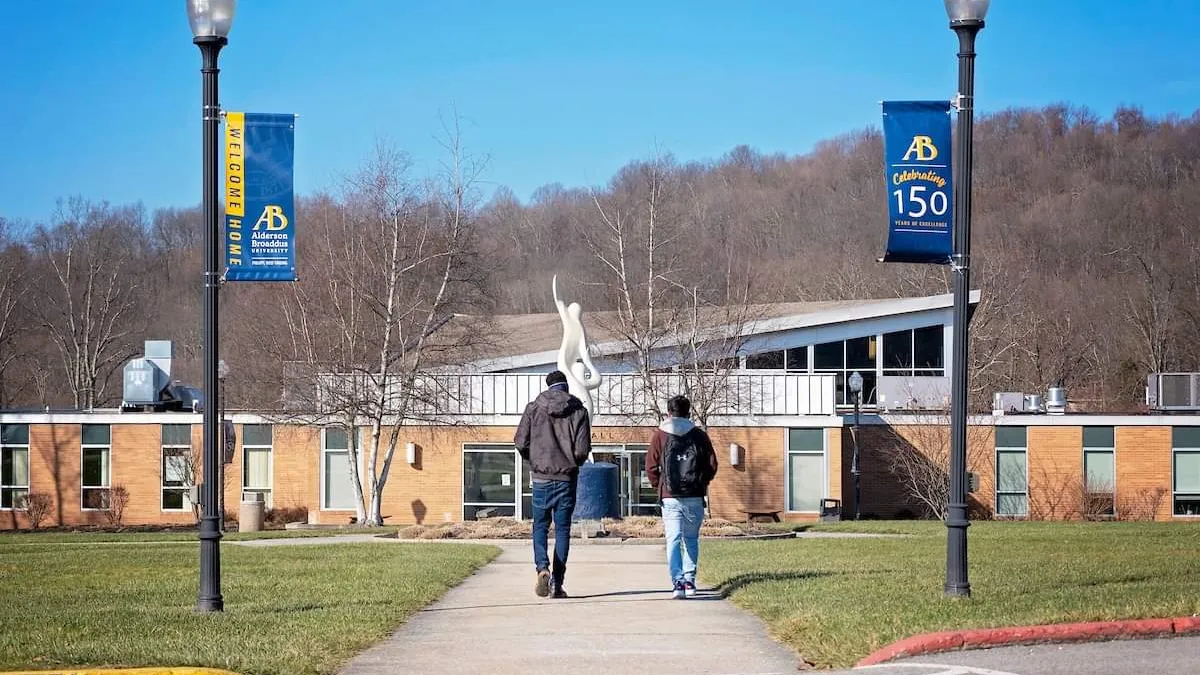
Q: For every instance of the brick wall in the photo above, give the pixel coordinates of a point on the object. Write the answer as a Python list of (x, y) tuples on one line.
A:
[(430, 491), (885, 490), (295, 457), (137, 464), (1143, 464), (1054, 460)]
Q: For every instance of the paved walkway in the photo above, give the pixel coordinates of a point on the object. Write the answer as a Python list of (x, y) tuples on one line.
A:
[(620, 619)]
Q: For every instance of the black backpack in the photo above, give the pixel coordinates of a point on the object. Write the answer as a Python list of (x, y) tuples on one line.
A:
[(683, 466)]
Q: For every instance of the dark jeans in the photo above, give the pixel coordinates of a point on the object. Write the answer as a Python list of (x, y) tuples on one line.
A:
[(553, 499)]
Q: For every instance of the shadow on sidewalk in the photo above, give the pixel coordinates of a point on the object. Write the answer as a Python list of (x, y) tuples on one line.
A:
[(595, 598)]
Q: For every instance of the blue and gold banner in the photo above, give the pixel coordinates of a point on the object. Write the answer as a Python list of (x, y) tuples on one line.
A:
[(920, 185), (260, 227)]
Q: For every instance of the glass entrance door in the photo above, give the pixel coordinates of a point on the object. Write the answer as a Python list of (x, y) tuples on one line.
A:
[(637, 498), (490, 481), (645, 497)]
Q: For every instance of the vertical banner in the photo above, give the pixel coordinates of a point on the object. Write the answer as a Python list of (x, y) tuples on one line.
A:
[(920, 185), (260, 228)]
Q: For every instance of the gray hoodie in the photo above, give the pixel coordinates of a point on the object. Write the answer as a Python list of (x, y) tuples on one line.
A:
[(555, 435)]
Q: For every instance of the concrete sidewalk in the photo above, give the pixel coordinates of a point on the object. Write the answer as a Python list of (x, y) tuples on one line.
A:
[(620, 619)]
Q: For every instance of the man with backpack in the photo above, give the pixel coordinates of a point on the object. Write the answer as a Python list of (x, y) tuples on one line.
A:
[(681, 463)]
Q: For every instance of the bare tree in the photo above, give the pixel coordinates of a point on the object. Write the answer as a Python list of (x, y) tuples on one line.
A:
[(684, 324), (88, 295), (635, 243), (1055, 493), (398, 261), (14, 274), (919, 458)]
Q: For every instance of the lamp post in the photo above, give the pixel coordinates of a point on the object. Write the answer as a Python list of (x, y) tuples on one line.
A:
[(222, 373), (966, 20), (210, 21), (856, 387)]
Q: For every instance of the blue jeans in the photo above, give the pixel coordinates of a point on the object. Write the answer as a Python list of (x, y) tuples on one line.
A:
[(681, 522), (553, 499)]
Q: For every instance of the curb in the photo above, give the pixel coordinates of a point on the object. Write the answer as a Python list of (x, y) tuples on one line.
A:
[(983, 638), (125, 671)]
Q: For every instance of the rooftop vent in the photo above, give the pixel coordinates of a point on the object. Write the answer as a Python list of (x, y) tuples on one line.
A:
[(147, 384), (1056, 401)]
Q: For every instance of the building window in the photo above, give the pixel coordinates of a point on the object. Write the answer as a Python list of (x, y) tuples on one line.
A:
[(14, 466), (1185, 443), (766, 361), (793, 360), (178, 467), (805, 478), (96, 474), (915, 352), (491, 478), (1099, 470), (337, 485), (845, 357), (256, 461), (1012, 479)]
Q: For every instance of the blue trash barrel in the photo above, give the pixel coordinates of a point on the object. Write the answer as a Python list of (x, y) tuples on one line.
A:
[(599, 494)]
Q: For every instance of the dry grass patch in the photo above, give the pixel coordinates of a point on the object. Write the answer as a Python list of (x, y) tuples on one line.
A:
[(637, 527)]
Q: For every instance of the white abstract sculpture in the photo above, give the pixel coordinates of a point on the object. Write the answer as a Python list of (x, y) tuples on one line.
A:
[(573, 358)]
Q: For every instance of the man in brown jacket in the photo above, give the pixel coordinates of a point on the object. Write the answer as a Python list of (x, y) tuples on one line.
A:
[(555, 435), (681, 463)]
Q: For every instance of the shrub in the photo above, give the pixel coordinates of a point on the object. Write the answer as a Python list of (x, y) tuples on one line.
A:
[(37, 507), (282, 515), (118, 499)]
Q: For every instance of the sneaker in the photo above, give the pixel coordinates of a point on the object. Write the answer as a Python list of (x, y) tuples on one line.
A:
[(679, 592), (689, 589), (559, 592), (542, 587)]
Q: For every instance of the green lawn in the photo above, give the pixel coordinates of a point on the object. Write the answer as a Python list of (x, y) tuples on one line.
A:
[(289, 609), (837, 600), (53, 537)]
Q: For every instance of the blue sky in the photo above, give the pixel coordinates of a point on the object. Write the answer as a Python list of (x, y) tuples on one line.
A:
[(102, 99)]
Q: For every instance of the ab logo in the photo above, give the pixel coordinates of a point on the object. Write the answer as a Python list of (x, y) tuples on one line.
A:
[(272, 216), (923, 147)]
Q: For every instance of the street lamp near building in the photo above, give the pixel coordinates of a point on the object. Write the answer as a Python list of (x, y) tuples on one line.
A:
[(226, 439), (210, 21), (966, 20), (855, 382)]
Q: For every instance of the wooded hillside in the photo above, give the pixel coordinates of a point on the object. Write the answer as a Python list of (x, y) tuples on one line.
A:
[(1085, 248)]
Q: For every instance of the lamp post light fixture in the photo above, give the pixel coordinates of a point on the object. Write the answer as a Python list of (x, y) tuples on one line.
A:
[(966, 20), (855, 382), (210, 21)]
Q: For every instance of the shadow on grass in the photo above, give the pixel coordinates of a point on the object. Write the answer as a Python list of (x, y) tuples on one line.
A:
[(733, 584)]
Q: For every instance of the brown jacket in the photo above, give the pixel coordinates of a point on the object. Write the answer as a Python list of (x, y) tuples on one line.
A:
[(676, 426)]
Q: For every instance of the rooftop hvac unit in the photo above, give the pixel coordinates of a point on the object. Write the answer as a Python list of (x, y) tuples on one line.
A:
[(147, 382), (1008, 402), (1179, 392)]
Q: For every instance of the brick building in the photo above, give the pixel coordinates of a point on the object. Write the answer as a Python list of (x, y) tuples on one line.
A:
[(788, 425)]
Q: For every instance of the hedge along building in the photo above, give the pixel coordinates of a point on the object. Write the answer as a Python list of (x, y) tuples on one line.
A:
[(778, 413)]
